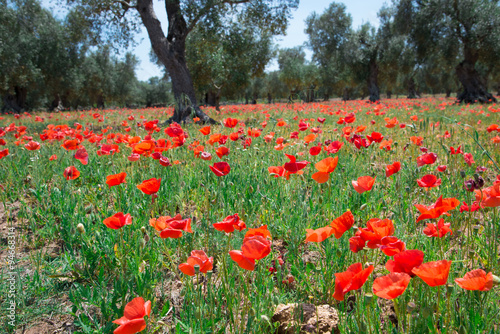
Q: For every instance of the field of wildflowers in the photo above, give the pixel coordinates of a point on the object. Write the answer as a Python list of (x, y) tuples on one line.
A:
[(384, 217)]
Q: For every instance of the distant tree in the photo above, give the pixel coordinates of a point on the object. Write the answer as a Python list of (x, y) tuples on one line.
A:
[(363, 56), (328, 36), (473, 25), (155, 91), (120, 17), (223, 63), (292, 62), (274, 87)]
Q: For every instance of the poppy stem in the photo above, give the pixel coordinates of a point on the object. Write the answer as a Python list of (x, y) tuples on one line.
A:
[(437, 307)]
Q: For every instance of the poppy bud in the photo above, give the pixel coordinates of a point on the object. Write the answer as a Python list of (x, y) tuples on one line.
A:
[(462, 174), (143, 243), (410, 307), (469, 185), (146, 237), (408, 189), (449, 289), (143, 229), (368, 298), (476, 228), (496, 280), (80, 228)]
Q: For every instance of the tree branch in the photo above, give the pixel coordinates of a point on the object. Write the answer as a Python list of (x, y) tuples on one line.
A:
[(126, 5)]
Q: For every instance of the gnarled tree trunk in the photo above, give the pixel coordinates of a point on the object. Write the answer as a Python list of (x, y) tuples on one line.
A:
[(474, 89), (16, 101), (412, 89), (373, 89), (213, 99), (346, 96), (170, 50)]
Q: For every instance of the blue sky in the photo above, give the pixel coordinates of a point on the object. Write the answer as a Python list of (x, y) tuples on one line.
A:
[(361, 11)]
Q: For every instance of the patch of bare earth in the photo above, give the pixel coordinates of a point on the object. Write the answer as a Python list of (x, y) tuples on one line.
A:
[(307, 318)]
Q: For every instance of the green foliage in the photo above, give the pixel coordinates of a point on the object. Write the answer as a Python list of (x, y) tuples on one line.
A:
[(226, 60)]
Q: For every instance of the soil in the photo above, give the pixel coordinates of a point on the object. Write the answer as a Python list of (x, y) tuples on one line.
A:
[(308, 318)]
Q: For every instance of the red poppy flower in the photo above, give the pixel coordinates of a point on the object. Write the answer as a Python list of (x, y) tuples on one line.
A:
[(276, 171), (174, 130), (341, 224), (242, 261), (205, 156), (171, 227), (256, 247), (356, 243), (32, 146), (363, 183), (439, 230), (118, 220), (405, 261), (134, 157), (351, 279), (53, 157), (71, 173), (222, 151), (115, 179), (469, 159), (391, 286), (71, 144), (4, 153), (429, 181), (294, 166), (261, 230), (230, 122), (441, 168), (474, 207), (392, 169), (433, 273), (457, 151), (146, 147), (376, 230), (318, 235), (325, 167), (133, 317), (220, 168), (416, 140), (391, 245), (350, 118), (390, 123), (197, 258), (493, 127), (230, 223), (426, 159), (315, 150), (150, 187), (375, 137), (437, 209), (489, 197), (82, 155), (476, 280), (334, 147), (205, 130)]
